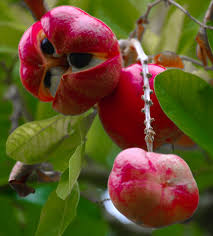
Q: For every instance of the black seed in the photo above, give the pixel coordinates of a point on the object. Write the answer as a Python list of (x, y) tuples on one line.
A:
[(47, 47), (80, 60), (47, 80)]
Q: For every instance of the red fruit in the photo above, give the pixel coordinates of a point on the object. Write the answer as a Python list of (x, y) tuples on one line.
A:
[(69, 58), (121, 113), (151, 189)]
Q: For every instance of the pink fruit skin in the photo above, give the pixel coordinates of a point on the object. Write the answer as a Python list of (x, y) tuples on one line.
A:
[(153, 190), (121, 113), (70, 30)]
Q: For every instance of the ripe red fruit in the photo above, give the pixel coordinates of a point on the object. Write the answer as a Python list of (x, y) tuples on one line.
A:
[(69, 58), (121, 113), (152, 189)]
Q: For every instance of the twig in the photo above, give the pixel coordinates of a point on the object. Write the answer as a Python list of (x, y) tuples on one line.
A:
[(18, 177), (149, 138), (8, 70), (143, 20), (19, 109), (38, 8), (204, 51), (196, 62), (4, 66), (22, 172), (139, 30), (188, 14), (209, 13)]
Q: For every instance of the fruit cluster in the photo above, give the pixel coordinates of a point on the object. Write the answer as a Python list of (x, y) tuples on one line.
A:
[(73, 60)]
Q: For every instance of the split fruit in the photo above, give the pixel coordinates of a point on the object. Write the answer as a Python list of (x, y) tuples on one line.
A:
[(69, 58)]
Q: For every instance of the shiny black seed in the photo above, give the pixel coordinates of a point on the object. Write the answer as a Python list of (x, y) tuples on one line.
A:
[(47, 80), (80, 60), (47, 47)]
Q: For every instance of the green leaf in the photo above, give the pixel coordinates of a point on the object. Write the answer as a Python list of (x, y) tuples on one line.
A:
[(175, 230), (31, 142), (10, 35), (169, 41), (61, 156), (57, 214), (190, 28), (99, 145), (187, 101), (89, 216), (70, 176), (210, 35), (44, 111), (53, 138), (200, 165), (5, 124), (16, 215), (4, 13)]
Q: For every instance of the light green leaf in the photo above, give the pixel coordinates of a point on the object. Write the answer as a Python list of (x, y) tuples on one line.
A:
[(52, 138), (61, 156), (57, 214), (70, 176), (31, 142), (187, 101)]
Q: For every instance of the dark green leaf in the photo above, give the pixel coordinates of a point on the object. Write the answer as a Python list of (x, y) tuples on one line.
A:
[(19, 218), (187, 100), (200, 165), (57, 214), (89, 221)]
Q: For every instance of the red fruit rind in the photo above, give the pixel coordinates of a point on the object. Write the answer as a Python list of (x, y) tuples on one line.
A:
[(70, 30), (76, 87), (121, 113), (151, 189)]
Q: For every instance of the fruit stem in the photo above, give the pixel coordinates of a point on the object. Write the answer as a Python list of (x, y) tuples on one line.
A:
[(38, 8), (148, 131)]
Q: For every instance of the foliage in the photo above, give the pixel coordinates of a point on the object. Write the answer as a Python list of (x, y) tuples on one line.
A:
[(185, 97)]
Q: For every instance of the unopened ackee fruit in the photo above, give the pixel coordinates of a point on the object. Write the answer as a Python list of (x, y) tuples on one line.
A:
[(121, 113), (69, 58), (151, 189)]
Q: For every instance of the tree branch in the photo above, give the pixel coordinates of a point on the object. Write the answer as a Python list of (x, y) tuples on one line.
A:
[(140, 29), (196, 62), (18, 177), (188, 14), (22, 172), (149, 132)]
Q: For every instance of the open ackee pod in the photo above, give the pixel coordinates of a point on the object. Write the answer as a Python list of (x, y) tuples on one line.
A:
[(69, 58)]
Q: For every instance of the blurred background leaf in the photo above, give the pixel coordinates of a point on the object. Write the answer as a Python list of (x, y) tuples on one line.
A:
[(169, 29)]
